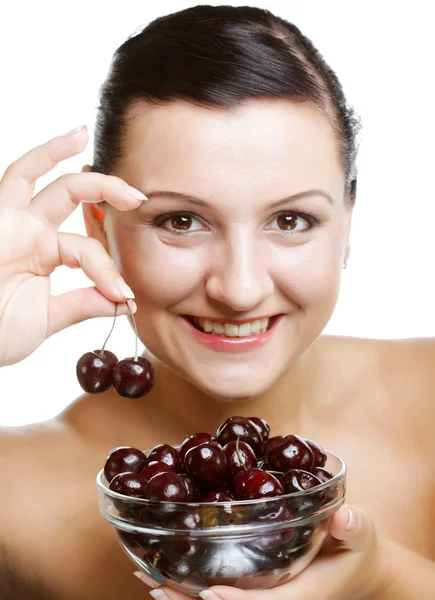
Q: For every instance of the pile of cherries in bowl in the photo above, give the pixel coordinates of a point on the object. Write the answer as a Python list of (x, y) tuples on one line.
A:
[(236, 508)]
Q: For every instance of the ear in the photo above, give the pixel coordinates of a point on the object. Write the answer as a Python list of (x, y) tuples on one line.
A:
[(348, 217), (94, 216)]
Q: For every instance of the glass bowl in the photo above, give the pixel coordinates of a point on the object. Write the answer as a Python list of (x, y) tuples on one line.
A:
[(253, 544)]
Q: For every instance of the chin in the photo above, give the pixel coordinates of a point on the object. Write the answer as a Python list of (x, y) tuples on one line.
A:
[(235, 389)]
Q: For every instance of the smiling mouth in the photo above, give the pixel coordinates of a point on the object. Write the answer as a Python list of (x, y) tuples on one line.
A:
[(254, 327)]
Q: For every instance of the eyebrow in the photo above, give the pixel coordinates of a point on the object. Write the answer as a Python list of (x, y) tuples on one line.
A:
[(201, 202)]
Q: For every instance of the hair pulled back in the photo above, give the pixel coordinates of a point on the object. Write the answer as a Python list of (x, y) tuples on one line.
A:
[(220, 57)]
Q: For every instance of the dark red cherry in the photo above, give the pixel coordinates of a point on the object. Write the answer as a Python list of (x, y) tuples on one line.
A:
[(194, 440), (166, 487), (256, 483), (242, 428), (239, 451), (133, 378), (318, 453), (322, 474), (167, 454), (192, 487), (95, 371), (206, 463), (175, 568), (185, 519), (291, 453), (154, 467), (272, 442), (129, 484), (261, 426), (218, 495), (124, 460), (297, 480)]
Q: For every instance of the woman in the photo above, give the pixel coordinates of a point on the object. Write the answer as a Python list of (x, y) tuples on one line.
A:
[(238, 133)]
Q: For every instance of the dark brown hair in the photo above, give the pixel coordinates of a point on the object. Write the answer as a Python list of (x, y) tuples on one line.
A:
[(220, 56)]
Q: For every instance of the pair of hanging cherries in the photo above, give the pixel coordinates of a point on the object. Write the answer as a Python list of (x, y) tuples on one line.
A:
[(131, 377)]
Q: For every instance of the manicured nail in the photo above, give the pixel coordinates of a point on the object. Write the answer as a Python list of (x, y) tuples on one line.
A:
[(132, 305), (351, 523), (145, 579), (158, 594), (208, 594), (76, 130), (136, 193), (123, 288)]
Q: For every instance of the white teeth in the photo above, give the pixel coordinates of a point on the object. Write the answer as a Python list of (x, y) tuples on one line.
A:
[(207, 326), (232, 330), (255, 327)]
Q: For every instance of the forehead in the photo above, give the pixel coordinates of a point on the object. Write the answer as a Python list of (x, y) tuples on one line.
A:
[(263, 145)]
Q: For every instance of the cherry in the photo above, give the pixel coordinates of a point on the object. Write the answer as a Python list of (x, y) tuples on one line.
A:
[(291, 453), (124, 460), (207, 463), (219, 495), (256, 483), (318, 453), (297, 480), (240, 457), (95, 371), (261, 426), (194, 440), (166, 487), (183, 546), (175, 568), (133, 377), (272, 442), (186, 519), (322, 474), (167, 454), (243, 428), (129, 484), (192, 487), (154, 467)]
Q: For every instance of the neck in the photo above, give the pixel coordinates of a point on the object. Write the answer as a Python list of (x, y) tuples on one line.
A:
[(183, 409)]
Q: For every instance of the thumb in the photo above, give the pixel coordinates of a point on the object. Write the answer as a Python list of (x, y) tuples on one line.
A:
[(352, 525)]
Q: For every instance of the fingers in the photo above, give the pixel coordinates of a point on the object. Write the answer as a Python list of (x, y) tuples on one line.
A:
[(18, 182), (352, 525), (58, 200), (78, 306), (89, 254)]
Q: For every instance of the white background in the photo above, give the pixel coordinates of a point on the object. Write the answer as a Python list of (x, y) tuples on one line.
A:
[(54, 57)]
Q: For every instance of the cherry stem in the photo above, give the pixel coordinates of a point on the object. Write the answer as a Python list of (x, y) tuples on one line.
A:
[(135, 331), (276, 472), (242, 462), (156, 558), (113, 325)]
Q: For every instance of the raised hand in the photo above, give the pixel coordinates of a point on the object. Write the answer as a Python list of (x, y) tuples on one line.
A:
[(31, 247)]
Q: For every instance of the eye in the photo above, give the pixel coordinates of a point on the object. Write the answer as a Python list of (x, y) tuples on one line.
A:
[(293, 222), (178, 223)]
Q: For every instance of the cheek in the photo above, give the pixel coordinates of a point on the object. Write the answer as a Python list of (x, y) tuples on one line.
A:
[(309, 275), (159, 274)]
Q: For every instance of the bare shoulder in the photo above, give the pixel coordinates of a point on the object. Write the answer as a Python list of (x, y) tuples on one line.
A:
[(404, 368)]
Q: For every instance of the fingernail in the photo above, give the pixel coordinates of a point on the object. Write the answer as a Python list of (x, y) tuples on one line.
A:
[(136, 193), (77, 129), (208, 594), (351, 523), (158, 594), (132, 305), (123, 288)]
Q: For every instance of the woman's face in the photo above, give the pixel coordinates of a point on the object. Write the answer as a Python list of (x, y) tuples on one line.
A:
[(235, 254)]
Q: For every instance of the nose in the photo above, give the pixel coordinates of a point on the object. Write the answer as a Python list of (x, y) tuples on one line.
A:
[(239, 276)]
